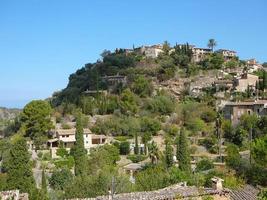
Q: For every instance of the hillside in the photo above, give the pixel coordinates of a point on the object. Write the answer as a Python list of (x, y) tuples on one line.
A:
[(161, 64), (8, 114), (144, 119)]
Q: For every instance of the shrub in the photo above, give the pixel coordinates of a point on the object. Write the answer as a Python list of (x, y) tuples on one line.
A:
[(204, 164), (62, 152), (40, 154), (124, 148), (208, 143), (152, 178), (150, 125), (233, 182), (177, 175), (66, 162), (142, 86), (161, 104), (122, 138), (208, 115), (136, 158), (59, 179), (46, 156), (3, 183), (66, 126)]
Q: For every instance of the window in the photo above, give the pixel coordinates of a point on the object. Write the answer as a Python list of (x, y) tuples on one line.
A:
[(249, 112)]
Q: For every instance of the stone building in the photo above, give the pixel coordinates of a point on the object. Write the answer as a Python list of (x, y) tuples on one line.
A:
[(152, 51), (199, 54), (234, 110), (67, 138), (227, 54), (246, 80)]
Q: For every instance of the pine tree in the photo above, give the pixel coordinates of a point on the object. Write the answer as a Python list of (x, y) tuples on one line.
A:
[(78, 151), (183, 155), (168, 153), (19, 170)]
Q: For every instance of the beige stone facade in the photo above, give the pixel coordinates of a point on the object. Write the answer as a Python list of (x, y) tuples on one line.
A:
[(227, 54), (242, 83), (67, 138), (234, 110)]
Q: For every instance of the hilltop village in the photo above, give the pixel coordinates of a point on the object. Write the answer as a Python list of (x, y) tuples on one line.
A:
[(151, 122)]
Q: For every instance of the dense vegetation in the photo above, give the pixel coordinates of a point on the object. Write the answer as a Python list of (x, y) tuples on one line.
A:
[(136, 112)]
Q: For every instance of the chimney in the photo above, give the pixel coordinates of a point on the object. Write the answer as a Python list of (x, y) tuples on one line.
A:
[(217, 183)]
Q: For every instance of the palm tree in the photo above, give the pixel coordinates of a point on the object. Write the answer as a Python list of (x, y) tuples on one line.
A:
[(211, 44), (153, 152)]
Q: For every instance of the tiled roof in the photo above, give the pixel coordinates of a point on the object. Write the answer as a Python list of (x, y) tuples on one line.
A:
[(168, 193), (246, 193), (247, 103), (71, 131)]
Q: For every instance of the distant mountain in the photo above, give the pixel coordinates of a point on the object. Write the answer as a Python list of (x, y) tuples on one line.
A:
[(8, 114)]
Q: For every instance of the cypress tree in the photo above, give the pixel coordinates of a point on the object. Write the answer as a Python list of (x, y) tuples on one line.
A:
[(78, 151), (183, 154), (43, 191), (44, 185), (168, 153), (19, 169)]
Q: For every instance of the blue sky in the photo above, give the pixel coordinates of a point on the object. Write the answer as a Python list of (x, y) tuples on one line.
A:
[(43, 41)]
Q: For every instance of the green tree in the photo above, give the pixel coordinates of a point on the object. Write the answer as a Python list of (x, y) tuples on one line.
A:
[(128, 102), (3, 182), (102, 157), (19, 174), (150, 125), (136, 145), (162, 104), (204, 164), (43, 192), (124, 148), (61, 151), (168, 153), (233, 158), (44, 185), (60, 179), (264, 80), (146, 137), (259, 151), (166, 47), (153, 152), (142, 86), (152, 178), (35, 118), (228, 129), (249, 121), (183, 153), (216, 61), (78, 151), (211, 44)]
